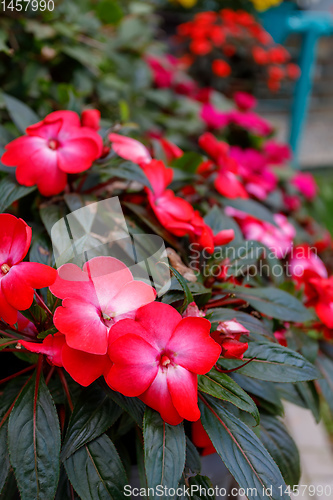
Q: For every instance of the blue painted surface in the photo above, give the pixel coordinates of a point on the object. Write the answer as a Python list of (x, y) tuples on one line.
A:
[(282, 21)]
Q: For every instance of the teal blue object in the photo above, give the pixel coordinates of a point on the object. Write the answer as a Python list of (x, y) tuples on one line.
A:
[(282, 21)]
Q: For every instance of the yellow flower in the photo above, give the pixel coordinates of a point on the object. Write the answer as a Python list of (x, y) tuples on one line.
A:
[(262, 5)]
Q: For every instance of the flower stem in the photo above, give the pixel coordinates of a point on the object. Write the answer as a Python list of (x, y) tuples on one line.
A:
[(28, 369), (42, 304), (65, 387)]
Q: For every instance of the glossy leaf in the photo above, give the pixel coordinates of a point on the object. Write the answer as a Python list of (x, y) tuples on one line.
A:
[(96, 472), (164, 450), (274, 303), (221, 386), (93, 413), (34, 441), (282, 448), (251, 207), (20, 113), (274, 363), (242, 452), (11, 191)]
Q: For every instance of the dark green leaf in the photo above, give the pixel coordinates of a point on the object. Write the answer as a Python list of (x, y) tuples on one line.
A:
[(218, 221), (41, 251), (34, 441), (188, 162), (274, 303), (310, 396), (221, 386), (185, 286), (243, 453), (250, 322), (325, 366), (50, 214), (11, 191), (109, 11), (282, 448), (20, 113), (133, 406), (164, 449), (263, 391), (193, 460), (96, 472), (274, 363), (129, 171), (94, 412)]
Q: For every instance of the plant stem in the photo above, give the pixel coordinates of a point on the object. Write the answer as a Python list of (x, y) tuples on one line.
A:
[(65, 387), (42, 303), (29, 368)]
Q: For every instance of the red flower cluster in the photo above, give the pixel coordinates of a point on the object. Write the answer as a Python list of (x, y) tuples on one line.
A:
[(226, 181), (227, 34), (174, 213), (56, 146), (18, 279), (148, 351)]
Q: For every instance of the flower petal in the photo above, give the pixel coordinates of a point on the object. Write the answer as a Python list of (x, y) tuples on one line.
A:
[(84, 368), (135, 365), (7, 312), (132, 296), (82, 324), (36, 275), (158, 397), (51, 346), (194, 348), (74, 283), (15, 238), (17, 291), (183, 387), (160, 321)]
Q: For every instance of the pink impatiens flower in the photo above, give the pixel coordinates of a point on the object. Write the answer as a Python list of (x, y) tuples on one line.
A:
[(130, 149), (306, 184), (157, 357), (18, 279), (53, 148), (94, 299)]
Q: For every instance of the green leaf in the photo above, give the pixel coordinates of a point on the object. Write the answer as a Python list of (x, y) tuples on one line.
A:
[(96, 472), (94, 412), (34, 441), (250, 322), (281, 447), (251, 207), (133, 406), (11, 191), (242, 452), (164, 449), (221, 386), (241, 257), (193, 460), (50, 214), (273, 362), (188, 162), (310, 396), (265, 392), (20, 113), (40, 250), (218, 221), (184, 284), (325, 366), (128, 171), (274, 303), (109, 11)]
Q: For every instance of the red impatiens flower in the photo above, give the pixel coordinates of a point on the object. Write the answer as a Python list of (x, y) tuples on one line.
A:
[(91, 118), (53, 148), (221, 68), (177, 215), (227, 335), (83, 367), (226, 181), (18, 279), (320, 296), (130, 149), (94, 299), (157, 357)]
